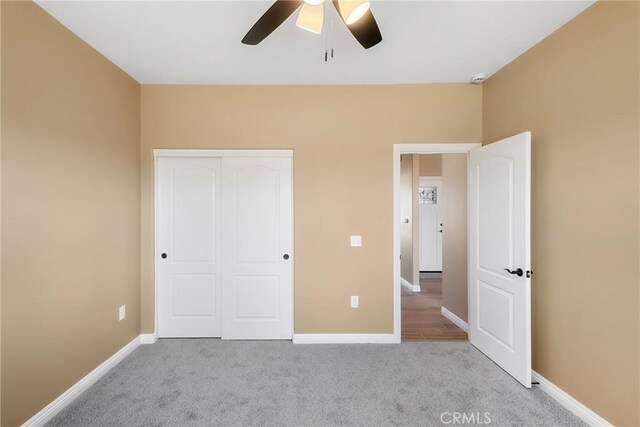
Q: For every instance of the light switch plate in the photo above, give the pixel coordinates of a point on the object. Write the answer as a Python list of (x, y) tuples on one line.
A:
[(356, 241), (122, 312), (354, 301)]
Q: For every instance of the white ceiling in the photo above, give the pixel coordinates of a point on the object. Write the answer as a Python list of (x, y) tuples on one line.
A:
[(189, 42)]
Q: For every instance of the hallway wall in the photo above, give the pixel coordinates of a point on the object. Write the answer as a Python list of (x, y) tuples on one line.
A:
[(407, 218), (454, 236), (430, 164)]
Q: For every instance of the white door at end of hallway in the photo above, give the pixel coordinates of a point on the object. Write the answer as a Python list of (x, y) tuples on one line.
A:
[(430, 225)]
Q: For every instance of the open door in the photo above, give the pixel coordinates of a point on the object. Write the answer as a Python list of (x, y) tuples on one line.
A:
[(500, 253)]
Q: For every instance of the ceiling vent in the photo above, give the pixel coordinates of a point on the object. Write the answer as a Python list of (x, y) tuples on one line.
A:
[(477, 79)]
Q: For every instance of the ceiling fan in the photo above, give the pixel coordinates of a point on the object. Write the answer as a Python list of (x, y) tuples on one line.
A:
[(356, 14)]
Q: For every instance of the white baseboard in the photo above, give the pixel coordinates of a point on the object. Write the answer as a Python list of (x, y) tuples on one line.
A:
[(53, 408), (455, 319), (412, 288), (578, 409), (148, 338), (344, 339)]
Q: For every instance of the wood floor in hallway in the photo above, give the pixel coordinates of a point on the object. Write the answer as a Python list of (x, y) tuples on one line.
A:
[(421, 317)]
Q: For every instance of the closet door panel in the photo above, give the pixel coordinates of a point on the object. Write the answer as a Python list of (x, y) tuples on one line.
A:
[(257, 243), (189, 265)]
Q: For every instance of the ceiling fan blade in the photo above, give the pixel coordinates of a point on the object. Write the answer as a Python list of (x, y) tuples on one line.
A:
[(365, 30), (270, 20)]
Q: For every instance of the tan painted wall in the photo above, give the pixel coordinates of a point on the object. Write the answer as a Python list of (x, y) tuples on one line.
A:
[(409, 210), (454, 237), (578, 91), (343, 139), (415, 219), (70, 209), (0, 211), (406, 217), (430, 164)]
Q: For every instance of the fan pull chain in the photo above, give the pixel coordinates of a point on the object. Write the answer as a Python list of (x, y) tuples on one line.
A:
[(332, 36), (328, 39)]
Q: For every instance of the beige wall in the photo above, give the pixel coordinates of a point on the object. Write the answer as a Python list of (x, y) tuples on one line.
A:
[(454, 236), (430, 164), (342, 137), (578, 91), (406, 217), (409, 210), (0, 211), (415, 219), (70, 209)]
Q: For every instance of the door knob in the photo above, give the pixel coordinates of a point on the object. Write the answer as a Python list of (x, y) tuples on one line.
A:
[(517, 272), (163, 256), (285, 256)]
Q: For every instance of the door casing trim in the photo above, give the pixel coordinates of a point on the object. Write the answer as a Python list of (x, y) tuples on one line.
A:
[(398, 150), (163, 152)]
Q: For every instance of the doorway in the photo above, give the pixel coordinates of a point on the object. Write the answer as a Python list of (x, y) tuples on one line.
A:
[(398, 151), (434, 295), (224, 240)]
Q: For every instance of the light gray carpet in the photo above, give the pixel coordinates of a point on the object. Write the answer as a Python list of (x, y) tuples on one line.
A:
[(183, 382)]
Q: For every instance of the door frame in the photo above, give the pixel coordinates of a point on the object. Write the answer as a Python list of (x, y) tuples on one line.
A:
[(398, 150), (162, 152)]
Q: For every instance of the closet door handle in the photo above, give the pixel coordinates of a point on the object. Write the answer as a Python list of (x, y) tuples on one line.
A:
[(163, 256), (285, 256)]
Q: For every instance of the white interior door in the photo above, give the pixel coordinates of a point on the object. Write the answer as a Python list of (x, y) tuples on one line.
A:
[(188, 197), (257, 242), (430, 229), (500, 253)]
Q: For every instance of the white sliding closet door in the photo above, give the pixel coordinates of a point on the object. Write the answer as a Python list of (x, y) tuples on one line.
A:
[(188, 200), (257, 242), (225, 266)]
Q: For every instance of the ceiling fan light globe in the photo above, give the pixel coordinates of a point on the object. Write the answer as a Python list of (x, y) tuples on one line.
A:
[(353, 10), (314, 2), (311, 18)]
